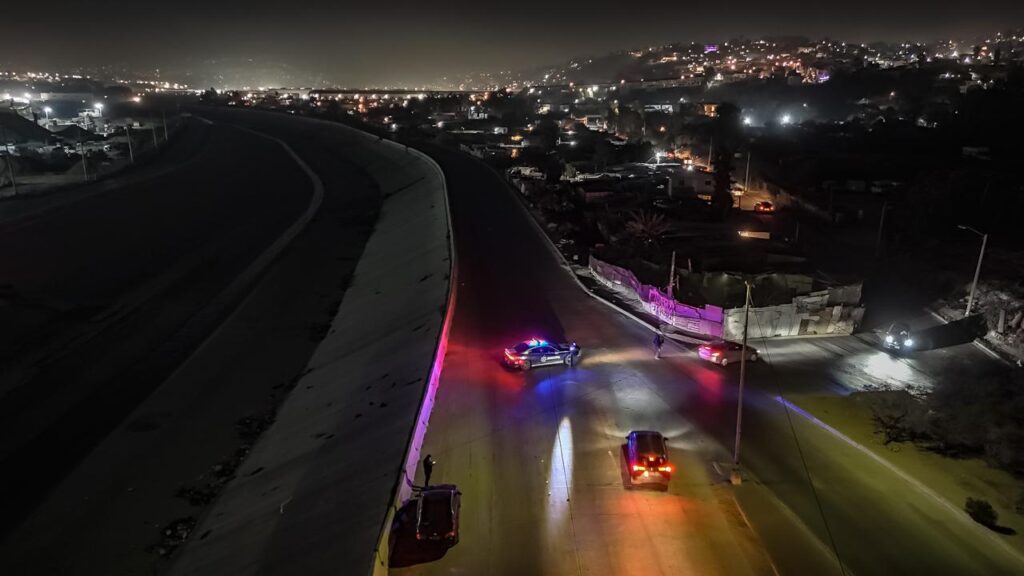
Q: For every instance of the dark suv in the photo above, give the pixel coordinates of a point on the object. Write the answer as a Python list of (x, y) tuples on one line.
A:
[(647, 458), (437, 514)]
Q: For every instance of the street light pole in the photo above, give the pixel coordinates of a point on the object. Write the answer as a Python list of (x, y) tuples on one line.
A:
[(977, 269), (735, 477)]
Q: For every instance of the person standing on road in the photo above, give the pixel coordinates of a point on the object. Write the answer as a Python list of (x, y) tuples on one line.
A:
[(428, 469), (659, 341), (574, 352)]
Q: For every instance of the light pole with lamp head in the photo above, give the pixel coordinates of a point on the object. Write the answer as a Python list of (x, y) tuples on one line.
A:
[(735, 478), (977, 269)]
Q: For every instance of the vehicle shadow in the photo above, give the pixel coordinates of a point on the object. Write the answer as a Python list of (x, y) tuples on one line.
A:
[(955, 333), (406, 550)]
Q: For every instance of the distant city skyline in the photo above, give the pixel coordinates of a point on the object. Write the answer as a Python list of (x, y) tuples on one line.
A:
[(414, 44)]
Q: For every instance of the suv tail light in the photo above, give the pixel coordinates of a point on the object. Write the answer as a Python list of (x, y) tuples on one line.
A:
[(665, 468)]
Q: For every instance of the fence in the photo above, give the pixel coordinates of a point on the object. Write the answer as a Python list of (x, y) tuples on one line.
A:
[(706, 321)]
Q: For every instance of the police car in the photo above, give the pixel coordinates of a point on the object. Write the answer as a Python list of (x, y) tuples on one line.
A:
[(538, 352)]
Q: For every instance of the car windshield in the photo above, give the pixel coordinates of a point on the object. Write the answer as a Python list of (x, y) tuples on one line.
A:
[(521, 347)]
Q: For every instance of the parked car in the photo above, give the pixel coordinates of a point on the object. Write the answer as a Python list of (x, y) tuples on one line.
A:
[(898, 337), (764, 207), (437, 514), (647, 458), (724, 353), (538, 352)]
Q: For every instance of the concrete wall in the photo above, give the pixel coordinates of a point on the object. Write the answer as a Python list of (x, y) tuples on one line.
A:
[(827, 312), (318, 491), (835, 311)]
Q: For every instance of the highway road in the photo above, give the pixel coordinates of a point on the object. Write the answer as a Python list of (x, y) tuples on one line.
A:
[(536, 454), (103, 430)]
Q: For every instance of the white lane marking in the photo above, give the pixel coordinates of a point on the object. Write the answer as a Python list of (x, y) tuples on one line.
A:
[(913, 482)]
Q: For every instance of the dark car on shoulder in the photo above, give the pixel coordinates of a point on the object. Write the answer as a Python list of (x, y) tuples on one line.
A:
[(539, 352), (647, 458), (437, 514)]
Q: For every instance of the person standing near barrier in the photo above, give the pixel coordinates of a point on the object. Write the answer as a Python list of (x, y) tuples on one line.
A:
[(659, 341), (428, 469)]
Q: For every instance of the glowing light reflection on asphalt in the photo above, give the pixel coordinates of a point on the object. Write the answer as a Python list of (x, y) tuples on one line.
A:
[(559, 478), (888, 369)]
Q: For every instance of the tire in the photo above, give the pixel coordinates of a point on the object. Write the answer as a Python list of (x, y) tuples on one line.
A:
[(725, 362), (754, 357), (569, 361), (526, 365)]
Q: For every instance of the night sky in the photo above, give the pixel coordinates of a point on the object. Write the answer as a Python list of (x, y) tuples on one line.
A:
[(410, 43)]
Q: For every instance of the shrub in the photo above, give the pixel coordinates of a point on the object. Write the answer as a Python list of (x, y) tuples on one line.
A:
[(981, 512)]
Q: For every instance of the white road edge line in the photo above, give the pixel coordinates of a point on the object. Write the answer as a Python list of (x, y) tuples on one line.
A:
[(913, 482)]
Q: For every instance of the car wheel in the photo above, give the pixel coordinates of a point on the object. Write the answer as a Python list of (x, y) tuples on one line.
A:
[(568, 360), (753, 357), (725, 362), (527, 365)]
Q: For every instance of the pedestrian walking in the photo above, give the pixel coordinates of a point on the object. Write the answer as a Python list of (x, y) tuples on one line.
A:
[(659, 341), (428, 468)]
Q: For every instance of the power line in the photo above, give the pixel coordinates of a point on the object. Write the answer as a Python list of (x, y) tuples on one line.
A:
[(799, 450)]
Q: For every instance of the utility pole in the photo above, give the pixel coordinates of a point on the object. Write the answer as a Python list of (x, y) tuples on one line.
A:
[(10, 163), (735, 477), (672, 277), (881, 225), (155, 144), (711, 148), (128, 136), (977, 269), (164, 114), (670, 186), (85, 168)]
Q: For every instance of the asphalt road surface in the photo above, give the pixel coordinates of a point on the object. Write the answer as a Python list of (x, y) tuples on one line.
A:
[(536, 454), (103, 431)]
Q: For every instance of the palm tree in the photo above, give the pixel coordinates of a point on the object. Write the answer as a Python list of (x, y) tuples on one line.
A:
[(646, 227)]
